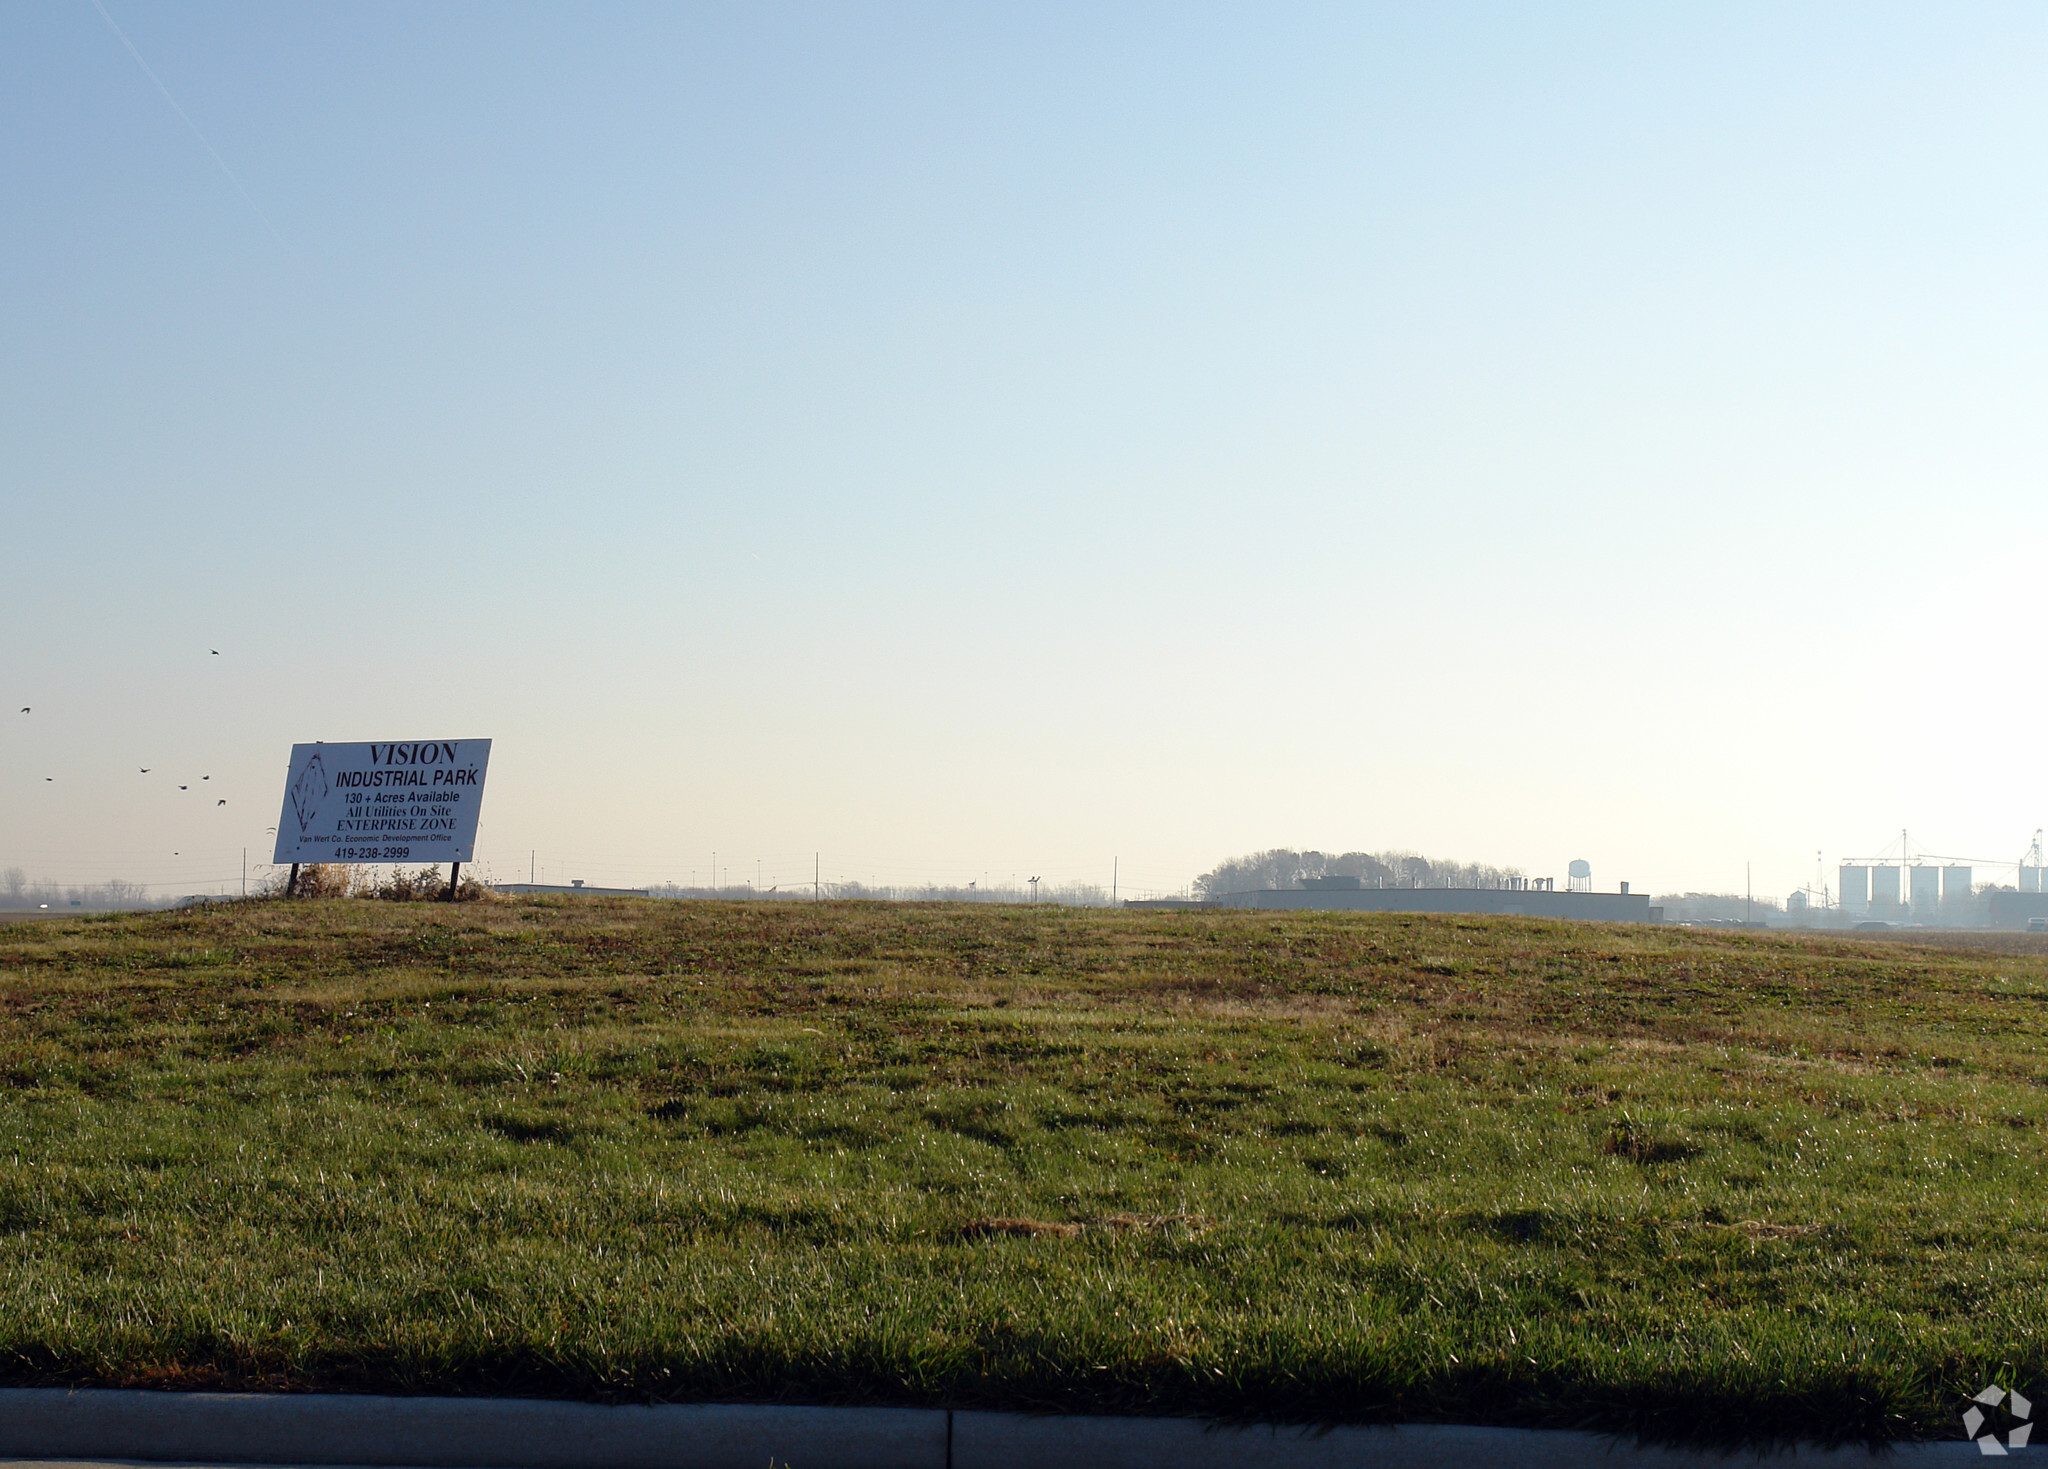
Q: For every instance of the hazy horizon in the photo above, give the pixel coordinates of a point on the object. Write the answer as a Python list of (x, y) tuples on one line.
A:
[(965, 443)]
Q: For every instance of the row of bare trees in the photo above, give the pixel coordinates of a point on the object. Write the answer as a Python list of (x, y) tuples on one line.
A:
[(18, 890), (1073, 894), (1284, 868)]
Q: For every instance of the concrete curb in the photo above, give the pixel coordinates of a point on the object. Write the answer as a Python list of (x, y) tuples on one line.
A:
[(458, 1433), (1014, 1441), (525, 1433)]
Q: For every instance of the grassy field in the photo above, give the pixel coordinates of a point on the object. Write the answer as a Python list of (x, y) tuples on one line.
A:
[(1342, 1167)]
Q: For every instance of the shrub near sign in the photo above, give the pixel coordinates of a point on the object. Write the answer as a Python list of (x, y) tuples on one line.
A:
[(388, 801)]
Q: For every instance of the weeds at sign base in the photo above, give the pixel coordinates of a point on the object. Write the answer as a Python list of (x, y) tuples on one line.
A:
[(395, 885)]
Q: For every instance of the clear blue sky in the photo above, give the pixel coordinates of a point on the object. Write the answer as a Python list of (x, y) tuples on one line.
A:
[(965, 440)]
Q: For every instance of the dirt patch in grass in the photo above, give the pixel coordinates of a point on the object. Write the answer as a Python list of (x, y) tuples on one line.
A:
[(1070, 1229)]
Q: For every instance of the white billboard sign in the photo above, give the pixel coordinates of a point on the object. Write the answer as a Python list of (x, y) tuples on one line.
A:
[(386, 801)]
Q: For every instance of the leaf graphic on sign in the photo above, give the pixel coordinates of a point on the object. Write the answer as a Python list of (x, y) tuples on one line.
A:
[(308, 792)]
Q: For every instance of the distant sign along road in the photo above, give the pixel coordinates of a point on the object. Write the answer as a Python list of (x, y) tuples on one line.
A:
[(390, 801)]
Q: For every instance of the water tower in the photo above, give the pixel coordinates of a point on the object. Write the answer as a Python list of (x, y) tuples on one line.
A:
[(1579, 876)]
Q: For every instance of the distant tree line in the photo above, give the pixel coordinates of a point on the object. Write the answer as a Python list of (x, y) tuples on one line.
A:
[(1071, 894), (1284, 868), (17, 890), (1719, 908)]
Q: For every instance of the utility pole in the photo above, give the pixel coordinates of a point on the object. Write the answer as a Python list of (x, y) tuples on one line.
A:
[(817, 887), (245, 872), (1114, 863), (532, 857), (1745, 893)]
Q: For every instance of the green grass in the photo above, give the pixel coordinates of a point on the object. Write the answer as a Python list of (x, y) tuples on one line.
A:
[(1315, 1166)]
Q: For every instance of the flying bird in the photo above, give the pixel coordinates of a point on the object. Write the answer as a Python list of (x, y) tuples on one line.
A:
[(24, 708), (206, 777), (220, 803), (145, 769), (184, 788), (214, 651)]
